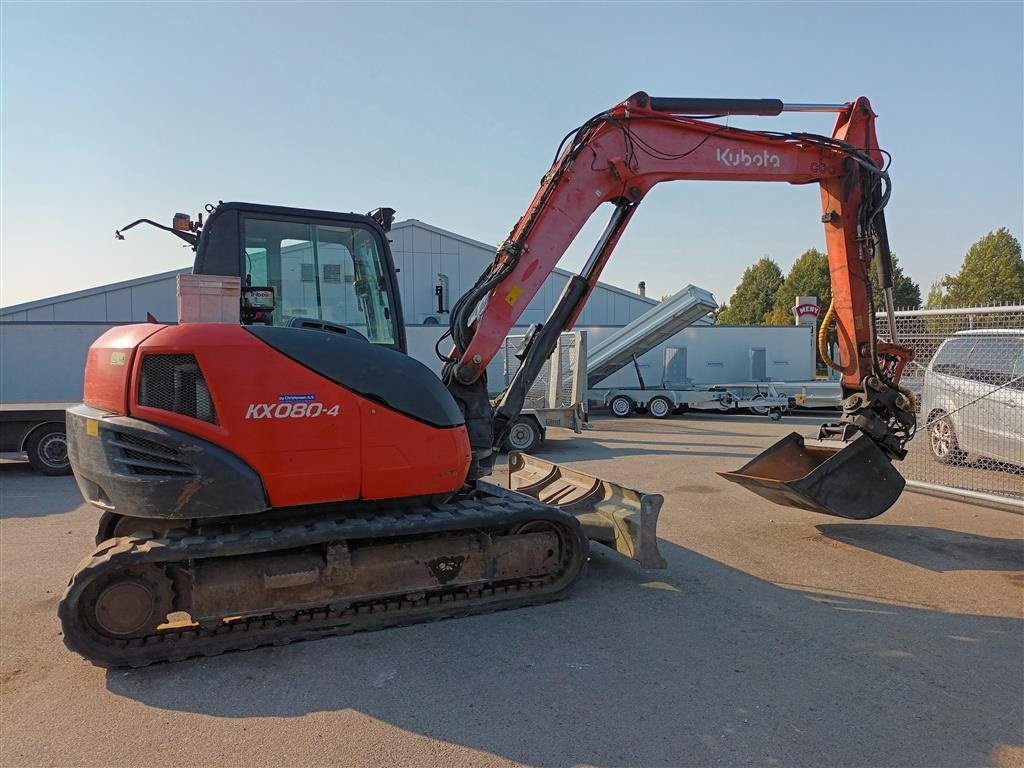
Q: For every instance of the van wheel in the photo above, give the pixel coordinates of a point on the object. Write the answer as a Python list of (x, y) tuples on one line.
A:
[(942, 440), (659, 407), (47, 449), (621, 406), (523, 436)]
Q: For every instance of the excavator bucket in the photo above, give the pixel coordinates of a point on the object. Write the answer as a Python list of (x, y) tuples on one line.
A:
[(621, 518), (855, 479)]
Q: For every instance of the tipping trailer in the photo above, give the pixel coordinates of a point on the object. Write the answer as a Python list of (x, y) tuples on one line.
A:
[(654, 327)]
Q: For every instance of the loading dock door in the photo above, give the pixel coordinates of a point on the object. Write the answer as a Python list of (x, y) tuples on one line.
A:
[(675, 368), (758, 364)]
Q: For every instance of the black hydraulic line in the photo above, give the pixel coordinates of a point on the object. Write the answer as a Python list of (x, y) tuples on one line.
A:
[(882, 254), (639, 376), (189, 237)]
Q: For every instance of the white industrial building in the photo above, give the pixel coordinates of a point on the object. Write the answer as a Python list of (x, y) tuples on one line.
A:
[(425, 257), (44, 342)]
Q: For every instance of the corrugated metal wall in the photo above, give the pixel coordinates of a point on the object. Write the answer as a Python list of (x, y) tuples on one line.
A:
[(422, 252), (119, 303), (44, 362), (718, 354)]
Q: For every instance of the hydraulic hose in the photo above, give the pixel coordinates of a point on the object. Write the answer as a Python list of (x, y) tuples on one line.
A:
[(826, 357)]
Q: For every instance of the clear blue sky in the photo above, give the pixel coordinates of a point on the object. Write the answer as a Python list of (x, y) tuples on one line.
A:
[(451, 113)]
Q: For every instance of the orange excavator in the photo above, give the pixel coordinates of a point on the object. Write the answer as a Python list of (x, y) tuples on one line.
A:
[(295, 474)]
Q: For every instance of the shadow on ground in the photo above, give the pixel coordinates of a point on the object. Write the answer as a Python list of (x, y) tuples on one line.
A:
[(696, 665), (936, 549)]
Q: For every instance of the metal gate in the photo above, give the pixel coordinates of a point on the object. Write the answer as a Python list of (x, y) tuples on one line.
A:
[(968, 378), (562, 382)]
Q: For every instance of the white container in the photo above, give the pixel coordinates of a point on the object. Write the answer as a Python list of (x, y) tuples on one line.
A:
[(209, 299)]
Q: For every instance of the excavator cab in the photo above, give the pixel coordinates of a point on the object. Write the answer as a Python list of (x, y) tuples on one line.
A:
[(330, 271), (300, 268)]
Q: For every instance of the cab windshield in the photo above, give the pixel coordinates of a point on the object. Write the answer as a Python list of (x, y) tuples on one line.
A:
[(321, 272)]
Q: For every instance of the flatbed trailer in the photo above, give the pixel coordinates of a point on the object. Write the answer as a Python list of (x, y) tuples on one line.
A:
[(662, 403), (36, 429), (802, 394)]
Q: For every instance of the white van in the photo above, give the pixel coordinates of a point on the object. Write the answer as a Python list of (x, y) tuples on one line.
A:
[(973, 397)]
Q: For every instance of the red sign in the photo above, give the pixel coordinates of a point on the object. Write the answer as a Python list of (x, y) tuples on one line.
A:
[(808, 310)]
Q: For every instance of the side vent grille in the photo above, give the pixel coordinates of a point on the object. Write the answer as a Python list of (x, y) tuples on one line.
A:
[(175, 383), (147, 457)]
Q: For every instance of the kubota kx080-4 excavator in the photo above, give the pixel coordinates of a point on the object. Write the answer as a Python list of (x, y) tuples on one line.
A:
[(296, 474)]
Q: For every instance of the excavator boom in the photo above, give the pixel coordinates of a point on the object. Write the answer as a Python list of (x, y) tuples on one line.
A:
[(617, 157)]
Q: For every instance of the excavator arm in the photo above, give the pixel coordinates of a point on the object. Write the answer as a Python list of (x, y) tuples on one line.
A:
[(617, 157)]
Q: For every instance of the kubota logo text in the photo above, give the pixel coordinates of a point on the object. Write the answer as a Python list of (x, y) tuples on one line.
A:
[(742, 158)]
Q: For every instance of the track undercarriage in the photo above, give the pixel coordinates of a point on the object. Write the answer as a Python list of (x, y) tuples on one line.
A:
[(201, 591), (165, 590)]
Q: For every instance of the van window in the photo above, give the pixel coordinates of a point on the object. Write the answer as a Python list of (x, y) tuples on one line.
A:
[(952, 356), (993, 359), (1018, 372)]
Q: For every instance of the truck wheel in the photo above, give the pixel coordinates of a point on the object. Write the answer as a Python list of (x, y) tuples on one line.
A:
[(621, 406), (47, 449), (523, 436), (659, 407)]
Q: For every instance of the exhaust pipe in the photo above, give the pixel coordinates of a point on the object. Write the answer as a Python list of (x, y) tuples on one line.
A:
[(622, 519), (854, 480)]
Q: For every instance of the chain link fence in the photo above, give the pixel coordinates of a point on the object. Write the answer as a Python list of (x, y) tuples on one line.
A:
[(968, 377), (562, 381)]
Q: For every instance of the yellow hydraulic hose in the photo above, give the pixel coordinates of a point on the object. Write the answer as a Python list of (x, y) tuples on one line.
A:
[(827, 358), (823, 338)]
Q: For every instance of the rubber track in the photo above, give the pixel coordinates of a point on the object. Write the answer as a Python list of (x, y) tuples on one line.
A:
[(488, 513)]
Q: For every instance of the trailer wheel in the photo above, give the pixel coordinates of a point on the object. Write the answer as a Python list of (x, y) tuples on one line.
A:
[(659, 407), (621, 406), (525, 435), (758, 410), (47, 449)]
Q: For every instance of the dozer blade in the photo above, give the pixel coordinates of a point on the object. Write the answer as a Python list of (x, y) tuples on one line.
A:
[(855, 480), (621, 518)]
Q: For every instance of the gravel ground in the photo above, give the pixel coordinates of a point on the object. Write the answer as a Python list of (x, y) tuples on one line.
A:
[(775, 637)]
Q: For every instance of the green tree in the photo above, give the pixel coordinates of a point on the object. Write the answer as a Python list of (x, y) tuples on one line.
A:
[(807, 277), (906, 294), (936, 296), (754, 296), (992, 273)]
